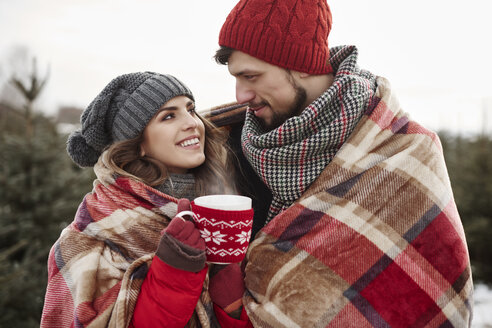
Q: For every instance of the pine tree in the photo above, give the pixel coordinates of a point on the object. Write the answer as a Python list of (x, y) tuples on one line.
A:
[(469, 162), (40, 189)]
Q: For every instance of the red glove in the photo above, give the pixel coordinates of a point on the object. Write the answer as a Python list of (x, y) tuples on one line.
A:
[(226, 288), (181, 245)]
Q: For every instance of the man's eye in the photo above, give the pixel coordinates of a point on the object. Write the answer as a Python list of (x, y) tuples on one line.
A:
[(249, 77)]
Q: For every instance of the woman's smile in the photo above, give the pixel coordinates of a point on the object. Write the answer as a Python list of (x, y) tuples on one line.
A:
[(176, 136)]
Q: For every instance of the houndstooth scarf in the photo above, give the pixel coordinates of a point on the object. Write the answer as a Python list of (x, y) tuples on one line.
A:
[(290, 157)]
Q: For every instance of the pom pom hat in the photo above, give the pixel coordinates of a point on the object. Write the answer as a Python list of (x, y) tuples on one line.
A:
[(121, 112), (292, 34)]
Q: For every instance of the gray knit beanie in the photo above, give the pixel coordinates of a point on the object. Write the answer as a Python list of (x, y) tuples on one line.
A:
[(120, 112)]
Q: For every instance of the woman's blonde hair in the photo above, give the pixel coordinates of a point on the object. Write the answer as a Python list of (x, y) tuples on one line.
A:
[(214, 176)]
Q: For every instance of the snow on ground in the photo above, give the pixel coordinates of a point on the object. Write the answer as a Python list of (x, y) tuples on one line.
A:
[(482, 310)]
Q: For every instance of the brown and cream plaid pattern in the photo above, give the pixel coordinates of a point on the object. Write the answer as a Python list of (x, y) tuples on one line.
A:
[(376, 240), (97, 266)]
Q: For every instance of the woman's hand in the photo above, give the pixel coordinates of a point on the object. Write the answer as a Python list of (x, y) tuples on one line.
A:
[(181, 245)]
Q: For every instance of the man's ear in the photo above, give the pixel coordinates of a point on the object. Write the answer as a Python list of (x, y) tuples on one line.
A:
[(142, 152)]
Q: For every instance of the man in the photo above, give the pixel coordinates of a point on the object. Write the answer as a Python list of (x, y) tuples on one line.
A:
[(362, 229)]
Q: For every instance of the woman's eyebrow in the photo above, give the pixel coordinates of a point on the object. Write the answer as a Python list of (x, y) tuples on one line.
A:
[(168, 108), (189, 103)]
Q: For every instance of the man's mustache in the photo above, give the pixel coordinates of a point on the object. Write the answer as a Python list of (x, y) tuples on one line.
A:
[(252, 105)]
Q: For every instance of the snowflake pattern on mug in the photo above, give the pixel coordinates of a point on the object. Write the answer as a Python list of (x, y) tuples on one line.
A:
[(215, 236), (243, 237)]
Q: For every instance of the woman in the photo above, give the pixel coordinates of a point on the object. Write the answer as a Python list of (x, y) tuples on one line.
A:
[(123, 261)]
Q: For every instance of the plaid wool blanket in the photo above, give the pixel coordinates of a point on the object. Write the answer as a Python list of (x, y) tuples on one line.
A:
[(376, 239), (97, 266)]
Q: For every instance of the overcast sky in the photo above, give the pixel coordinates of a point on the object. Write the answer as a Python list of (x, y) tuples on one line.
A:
[(436, 53)]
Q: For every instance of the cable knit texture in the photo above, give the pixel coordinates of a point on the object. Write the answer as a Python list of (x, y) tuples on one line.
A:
[(121, 111), (292, 34), (179, 186)]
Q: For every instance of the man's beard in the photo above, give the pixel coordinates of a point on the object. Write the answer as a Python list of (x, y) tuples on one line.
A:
[(295, 109)]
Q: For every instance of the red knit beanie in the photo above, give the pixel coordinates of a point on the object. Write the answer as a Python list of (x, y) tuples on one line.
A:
[(292, 34)]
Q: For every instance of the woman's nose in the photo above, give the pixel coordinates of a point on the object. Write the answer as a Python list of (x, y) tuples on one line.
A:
[(190, 121)]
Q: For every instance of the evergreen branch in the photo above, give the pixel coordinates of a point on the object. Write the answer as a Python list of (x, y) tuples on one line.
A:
[(13, 249)]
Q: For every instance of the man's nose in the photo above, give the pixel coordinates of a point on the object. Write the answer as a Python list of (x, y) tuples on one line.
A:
[(244, 94)]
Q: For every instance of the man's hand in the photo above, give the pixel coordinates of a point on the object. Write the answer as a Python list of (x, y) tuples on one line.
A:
[(226, 288)]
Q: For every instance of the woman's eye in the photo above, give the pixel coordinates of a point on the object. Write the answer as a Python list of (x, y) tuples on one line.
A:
[(192, 110), (167, 117)]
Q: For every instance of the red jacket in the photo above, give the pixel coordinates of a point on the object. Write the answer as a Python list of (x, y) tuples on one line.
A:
[(169, 296)]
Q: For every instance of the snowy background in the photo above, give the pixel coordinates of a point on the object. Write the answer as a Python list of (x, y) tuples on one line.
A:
[(435, 53)]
